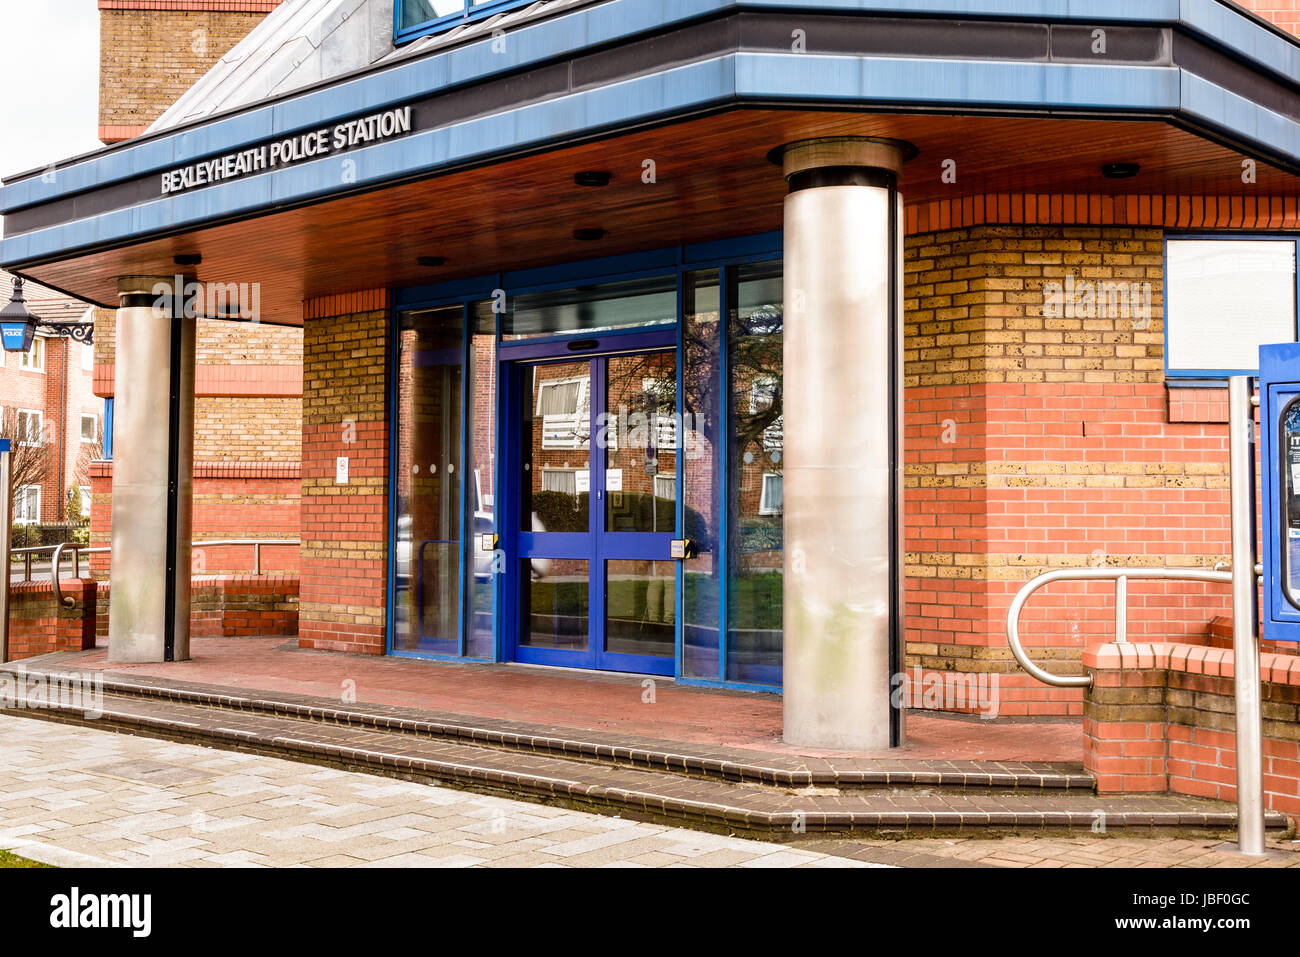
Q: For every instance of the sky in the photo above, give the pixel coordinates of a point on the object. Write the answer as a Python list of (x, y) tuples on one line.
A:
[(49, 81)]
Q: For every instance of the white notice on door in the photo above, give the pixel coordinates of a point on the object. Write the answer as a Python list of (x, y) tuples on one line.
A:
[(613, 480), (582, 481)]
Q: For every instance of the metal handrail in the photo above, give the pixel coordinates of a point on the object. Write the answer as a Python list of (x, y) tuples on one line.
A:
[(1121, 577), (77, 549)]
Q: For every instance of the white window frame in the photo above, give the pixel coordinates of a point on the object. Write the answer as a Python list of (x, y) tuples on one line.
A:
[(1171, 322), (33, 360), (40, 426), (94, 430), (86, 497), (762, 389), (563, 431), (669, 481), (22, 495), (87, 357), (547, 470), (764, 505)]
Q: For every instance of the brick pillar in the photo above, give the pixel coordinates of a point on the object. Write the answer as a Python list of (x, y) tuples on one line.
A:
[(344, 579)]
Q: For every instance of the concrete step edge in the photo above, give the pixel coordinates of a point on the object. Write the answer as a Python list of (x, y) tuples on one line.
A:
[(602, 797), (673, 762)]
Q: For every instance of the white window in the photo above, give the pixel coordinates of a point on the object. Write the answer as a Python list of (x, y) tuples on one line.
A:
[(666, 487), (85, 500), (29, 427), (565, 410), (27, 504), (87, 357), (1223, 300), (33, 360), (762, 393), (89, 427), (560, 480), (771, 502)]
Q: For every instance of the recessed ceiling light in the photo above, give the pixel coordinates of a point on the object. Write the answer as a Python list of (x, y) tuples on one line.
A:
[(588, 235), (187, 259), (431, 261), (592, 177), (1120, 170)]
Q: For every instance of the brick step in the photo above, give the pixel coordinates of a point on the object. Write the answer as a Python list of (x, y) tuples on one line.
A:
[(787, 813), (723, 764)]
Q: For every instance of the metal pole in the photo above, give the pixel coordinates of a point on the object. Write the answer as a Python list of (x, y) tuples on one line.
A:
[(1245, 647), (6, 517), (1121, 609)]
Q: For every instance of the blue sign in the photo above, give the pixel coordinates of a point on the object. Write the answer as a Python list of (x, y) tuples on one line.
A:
[(16, 336), (1279, 422)]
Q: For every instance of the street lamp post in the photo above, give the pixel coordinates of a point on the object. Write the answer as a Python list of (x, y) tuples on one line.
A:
[(18, 324)]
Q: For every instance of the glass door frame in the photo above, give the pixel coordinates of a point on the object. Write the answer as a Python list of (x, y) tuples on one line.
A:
[(597, 545), (724, 255)]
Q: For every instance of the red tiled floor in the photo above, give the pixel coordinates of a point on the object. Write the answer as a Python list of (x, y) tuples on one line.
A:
[(559, 698)]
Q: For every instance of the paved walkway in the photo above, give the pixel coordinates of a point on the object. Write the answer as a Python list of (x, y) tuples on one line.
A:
[(627, 706), (78, 797)]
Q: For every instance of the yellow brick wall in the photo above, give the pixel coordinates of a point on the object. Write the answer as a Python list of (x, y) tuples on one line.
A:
[(218, 342), (148, 58), (343, 592), (975, 306), (247, 429)]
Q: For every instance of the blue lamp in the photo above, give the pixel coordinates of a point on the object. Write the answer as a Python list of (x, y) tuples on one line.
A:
[(17, 322)]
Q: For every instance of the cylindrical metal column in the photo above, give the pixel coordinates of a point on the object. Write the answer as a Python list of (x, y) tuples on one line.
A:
[(1245, 645), (153, 452), (842, 456)]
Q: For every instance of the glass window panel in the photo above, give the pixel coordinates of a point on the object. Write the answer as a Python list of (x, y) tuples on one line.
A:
[(701, 494), (481, 497), (641, 608), (427, 551), (555, 599), (755, 523), (555, 447), (640, 442), (598, 308), (1226, 298), (415, 12)]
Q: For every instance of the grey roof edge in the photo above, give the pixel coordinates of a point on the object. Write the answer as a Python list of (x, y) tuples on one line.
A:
[(1191, 15)]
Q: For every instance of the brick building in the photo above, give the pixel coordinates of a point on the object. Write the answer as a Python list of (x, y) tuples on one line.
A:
[(249, 377), (933, 306), (46, 399)]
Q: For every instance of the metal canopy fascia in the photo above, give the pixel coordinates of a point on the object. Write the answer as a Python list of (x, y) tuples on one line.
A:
[(741, 78)]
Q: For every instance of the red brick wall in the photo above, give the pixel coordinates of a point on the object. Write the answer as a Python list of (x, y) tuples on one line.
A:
[(1160, 717), (345, 527), (1037, 440), (244, 605), (61, 392), (38, 625), (1285, 13)]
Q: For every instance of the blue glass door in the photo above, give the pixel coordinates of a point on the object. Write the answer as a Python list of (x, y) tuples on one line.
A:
[(596, 447)]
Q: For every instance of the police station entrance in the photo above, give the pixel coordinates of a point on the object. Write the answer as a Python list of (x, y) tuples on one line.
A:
[(595, 467)]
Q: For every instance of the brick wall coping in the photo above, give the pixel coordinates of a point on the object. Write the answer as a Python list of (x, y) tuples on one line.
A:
[(69, 586), (223, 6), (1190, 659), (223, 470), (276, 578)]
